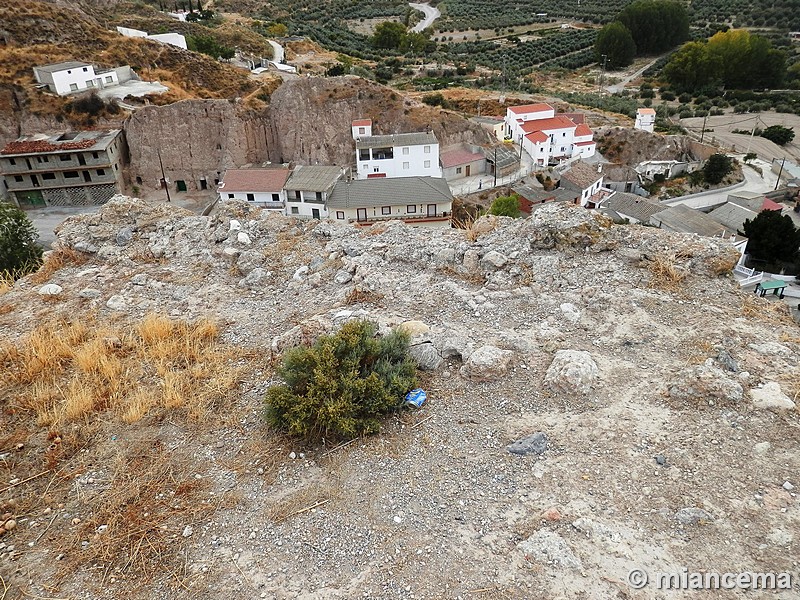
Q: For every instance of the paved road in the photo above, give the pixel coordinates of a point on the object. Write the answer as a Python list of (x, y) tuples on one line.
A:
[(277, 51), (431, 14), (47, 219), (753, 183)]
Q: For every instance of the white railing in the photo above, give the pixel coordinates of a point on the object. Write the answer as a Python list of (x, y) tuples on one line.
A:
[(749, 276)]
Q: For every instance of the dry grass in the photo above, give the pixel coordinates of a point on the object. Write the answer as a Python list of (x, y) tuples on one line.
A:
[(665, 274), (58, 259), (65, 371), (6, 282), (764, 309), (305, 499), (361, 296)]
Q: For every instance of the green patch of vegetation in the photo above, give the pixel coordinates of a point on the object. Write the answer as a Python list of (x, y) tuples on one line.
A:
[(506, 206), (717, 167), (19, 253), (343, 385), (772, 237), (208, 45)]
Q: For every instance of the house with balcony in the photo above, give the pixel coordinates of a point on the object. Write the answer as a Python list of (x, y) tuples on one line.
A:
[(308, 189), (423, 201), (261, 187), (546, 136), (585, 182), (82, 168), (74, 76), (395, 155)]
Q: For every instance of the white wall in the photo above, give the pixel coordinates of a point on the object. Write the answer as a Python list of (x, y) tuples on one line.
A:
[(539, 152), (307, 204), (407, 161), (173, 39), (130, 32), (376, 213), (476, 167), (513, 127), (264, 199), (645, 122), (73, 80), (360, 131)]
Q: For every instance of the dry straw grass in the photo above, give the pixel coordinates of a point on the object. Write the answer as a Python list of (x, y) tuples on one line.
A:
[(764, 309), (65, 371), (58, 259), (665, 274)]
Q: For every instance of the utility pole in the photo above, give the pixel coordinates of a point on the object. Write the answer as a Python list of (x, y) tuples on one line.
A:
[(602, 75), (495, 167), (703, 130), (752, 133), (777, 183), (163, 176)]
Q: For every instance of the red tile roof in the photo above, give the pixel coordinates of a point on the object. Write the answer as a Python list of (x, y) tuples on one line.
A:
[(576, 118), (646, 111), (453, 158), (537, 137), (362, 123), (557, 122), (770, 205), (254, 180), (582, 129), (529, 108), (589, 143)]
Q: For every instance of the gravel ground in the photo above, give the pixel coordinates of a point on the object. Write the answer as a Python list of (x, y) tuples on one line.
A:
[(656, 455)]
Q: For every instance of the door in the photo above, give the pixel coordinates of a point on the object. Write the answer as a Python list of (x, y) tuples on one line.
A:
[(315, 214), (34, 180), (362, 214), (181, 185), (467, 171), (431, 210)]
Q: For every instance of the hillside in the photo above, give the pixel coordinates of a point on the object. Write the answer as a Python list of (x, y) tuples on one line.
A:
[(135, 462)]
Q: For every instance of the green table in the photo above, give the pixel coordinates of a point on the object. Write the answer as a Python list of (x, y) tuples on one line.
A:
[(777, 288)]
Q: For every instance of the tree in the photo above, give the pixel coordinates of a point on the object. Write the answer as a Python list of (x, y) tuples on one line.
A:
[(778, 134), (750, 156), (693, 68), (277, 30), (389, 35), (616, 43), (343, 384), (772, 237), (656, 25), (716, 168), (19, 253), (506, 206)]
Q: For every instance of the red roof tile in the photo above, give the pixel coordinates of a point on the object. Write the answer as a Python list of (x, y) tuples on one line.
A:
[(254, 180), (362, 123), (770, 205), (537, 137), (458, 157), (576, 118), (589, 143), (557, 122), (38, 146), (582, 129), (646, 111), (529, 108)]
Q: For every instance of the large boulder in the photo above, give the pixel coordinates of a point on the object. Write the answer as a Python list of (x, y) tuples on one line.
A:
[(572, 371), (487, 363)]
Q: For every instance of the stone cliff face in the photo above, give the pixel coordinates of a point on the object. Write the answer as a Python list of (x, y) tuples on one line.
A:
[(307, 122)]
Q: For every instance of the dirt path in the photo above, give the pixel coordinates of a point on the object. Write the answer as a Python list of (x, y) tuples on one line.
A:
[(431, 14)]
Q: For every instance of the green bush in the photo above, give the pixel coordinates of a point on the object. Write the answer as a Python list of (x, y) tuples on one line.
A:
[(19, 253), (343, 384), (506, 206)]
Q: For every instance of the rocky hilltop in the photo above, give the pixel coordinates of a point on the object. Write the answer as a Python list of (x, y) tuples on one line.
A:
[(601, 398)]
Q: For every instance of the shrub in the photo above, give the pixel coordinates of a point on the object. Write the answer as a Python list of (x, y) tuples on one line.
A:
[(716, 168), (19, 253), (343, 384), (779, 134), (506, 206)]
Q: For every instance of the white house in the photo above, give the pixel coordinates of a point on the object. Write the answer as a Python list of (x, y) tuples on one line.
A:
[(424, 201), (73, 76), (586, 182), (395, 155), (262, 187), (546, 136), (645, 119), (308, 188), (362, 128)]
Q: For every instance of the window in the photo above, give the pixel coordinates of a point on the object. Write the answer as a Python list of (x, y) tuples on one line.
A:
[(70, 174), (48, 176), (230, 195), (363, 154), (564, 134), (89, 83), (340, 214), (406, 165), (375, 170), (427, 164), (85, 69), (386, 210), (12, 161), (65, 157), (18, 178), (427, 149), (73, 87), (95, 155), (458, 170), (295, 210), (318, 196), (276, 197), (109, 79), (405, 151), (362, 131), (298, 195), (383, 154), (411, 208), (101, 172), (39, 159), (251, 197)]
